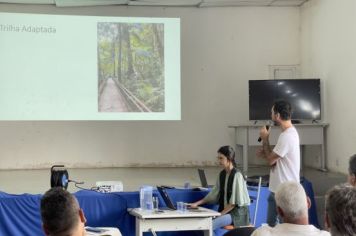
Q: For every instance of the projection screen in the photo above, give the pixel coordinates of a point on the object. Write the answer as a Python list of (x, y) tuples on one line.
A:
[(60, 67)]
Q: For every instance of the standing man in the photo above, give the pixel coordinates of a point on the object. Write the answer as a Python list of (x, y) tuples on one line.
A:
[(284, 159)]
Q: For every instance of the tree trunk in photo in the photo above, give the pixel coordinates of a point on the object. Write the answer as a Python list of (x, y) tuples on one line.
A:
[(113, 55), (99, 63), (158, 40), (129, 53), (120, 54)]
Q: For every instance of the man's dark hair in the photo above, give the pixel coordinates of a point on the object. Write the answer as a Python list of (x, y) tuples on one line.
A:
[(352, 165), (283, 108), (59, 211), (340, 206)]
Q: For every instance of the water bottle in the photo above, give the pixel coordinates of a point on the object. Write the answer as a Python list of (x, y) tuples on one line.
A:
[(142, 194), (146, 203)]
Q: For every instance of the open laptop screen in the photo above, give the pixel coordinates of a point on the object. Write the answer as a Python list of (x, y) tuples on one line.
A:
[(203, 181), (166, 198)]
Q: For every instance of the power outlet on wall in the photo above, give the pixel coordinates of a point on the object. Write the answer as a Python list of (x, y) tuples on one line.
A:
[(316, 159)]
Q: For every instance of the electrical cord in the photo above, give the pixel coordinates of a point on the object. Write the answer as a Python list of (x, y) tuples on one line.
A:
[(60, 178), (76, 184), (97, 190)]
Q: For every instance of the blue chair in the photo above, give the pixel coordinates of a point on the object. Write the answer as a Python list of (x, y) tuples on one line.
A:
[(254, 193)]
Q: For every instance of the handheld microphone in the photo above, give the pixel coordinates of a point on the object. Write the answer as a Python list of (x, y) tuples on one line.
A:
[(259, 139)]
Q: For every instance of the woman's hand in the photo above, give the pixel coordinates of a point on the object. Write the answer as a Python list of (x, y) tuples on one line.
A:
[(193, 205), (227, 209), (196, 204)]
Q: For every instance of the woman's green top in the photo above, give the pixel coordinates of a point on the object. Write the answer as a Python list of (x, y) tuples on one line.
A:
[(239, 198)]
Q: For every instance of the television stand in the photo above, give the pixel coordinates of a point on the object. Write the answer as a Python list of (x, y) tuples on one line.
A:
[(296, 122), (309, 134)]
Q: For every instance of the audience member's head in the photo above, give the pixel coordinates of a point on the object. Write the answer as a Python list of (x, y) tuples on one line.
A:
[(292, 203), (352, 170), (340, 207), (61, 214)]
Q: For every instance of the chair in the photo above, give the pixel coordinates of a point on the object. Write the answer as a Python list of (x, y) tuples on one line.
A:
[(241, 231), (254, 193)]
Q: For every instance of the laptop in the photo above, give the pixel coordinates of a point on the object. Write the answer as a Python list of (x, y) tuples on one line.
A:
[(166, 198), (169, 203), (203, 181)]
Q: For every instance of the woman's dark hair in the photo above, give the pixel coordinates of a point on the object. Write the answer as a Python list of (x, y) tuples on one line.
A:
[(283, 108), (352, 165), (229, 153)]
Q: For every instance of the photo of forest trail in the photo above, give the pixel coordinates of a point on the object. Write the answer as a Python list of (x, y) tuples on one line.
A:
[(130, 67)]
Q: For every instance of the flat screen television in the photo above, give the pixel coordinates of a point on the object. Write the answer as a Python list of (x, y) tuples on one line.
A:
[(302, 94)]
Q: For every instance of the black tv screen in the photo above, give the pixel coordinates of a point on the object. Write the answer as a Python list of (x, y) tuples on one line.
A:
[(302, 94)]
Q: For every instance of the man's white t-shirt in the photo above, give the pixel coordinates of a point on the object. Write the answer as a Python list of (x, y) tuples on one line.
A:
[(287, 167), (286, 229)]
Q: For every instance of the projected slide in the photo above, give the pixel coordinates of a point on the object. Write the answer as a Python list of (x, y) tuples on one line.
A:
[(58, 67)]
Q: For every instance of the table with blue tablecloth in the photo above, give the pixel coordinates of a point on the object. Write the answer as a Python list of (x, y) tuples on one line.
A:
[(20, 214)]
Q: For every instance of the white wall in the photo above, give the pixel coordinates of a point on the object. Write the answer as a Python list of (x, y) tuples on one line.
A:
[(222, 48), (328, 51)]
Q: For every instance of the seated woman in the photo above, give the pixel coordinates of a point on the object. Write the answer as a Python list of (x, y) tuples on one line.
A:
[(230, 192)]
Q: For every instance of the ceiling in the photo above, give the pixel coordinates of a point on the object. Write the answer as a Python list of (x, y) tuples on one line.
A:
[(173, 3)]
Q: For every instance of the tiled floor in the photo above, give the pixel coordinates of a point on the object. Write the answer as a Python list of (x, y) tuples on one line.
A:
[(38, 181)]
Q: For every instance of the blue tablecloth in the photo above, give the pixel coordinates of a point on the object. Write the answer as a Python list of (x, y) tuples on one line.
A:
[(20, 214)]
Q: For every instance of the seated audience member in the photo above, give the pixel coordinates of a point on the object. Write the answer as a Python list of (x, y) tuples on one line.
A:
[(61, 214), (352, 170), (292, 206), (340, 210)]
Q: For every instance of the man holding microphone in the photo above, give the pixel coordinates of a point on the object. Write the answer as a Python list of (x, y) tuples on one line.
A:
[(284, 158)]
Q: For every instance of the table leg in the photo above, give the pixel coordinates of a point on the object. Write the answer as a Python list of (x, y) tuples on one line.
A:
[(302, 160), (208, 232), (139, 231), (245, 154), (322, 147)]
